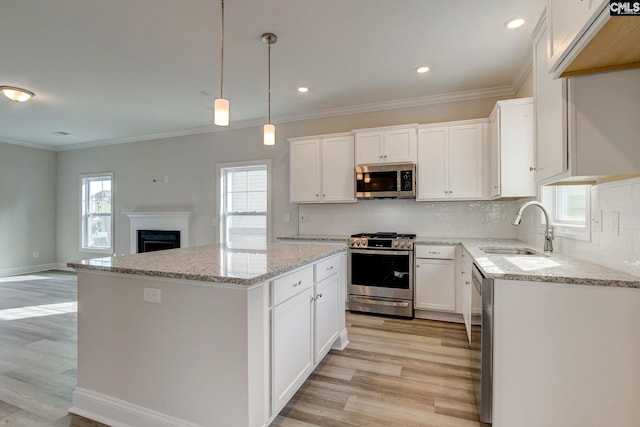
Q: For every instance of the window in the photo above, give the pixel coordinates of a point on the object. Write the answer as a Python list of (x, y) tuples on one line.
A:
[(96, 195), (244, 205), (569, 207)]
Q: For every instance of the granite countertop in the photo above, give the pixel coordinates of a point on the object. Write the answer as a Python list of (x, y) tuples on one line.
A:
[(316, 238), (214, 263), (555, 267)]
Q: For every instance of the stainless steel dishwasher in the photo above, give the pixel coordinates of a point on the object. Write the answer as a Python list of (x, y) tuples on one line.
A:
[(482, 348)]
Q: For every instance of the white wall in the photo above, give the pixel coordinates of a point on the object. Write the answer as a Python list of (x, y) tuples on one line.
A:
[(190, 163), (27, 209), (618, 250)]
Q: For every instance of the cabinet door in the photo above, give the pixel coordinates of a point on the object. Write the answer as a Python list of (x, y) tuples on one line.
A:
[(494, 125), (432, 159), (338, 173), (369, 147), (305, 171), (465, 161), (435, 284), (291, 347), (566, 20), (327, 304), (550, 104), (400, 145)]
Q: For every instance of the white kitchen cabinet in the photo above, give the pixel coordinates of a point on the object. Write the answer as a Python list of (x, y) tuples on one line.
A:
[(435, 286), (570, 349), (451, 161), (512, 149), (292, 348), (467, 290), (584, 39), (395, 144), (307, 320), (587, 126), (328, 305), (322, 169)]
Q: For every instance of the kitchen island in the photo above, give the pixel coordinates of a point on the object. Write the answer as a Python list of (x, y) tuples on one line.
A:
[(204, 336)]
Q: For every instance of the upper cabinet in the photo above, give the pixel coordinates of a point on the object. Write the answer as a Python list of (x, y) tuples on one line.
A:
[(322, 169), (394, 144), (512, 149), (585, 39), (586, 126), (450, 161)]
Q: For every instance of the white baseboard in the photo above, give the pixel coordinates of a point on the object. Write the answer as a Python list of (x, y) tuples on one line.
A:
[(342, 341), (437, 315), (119, 413), (32, 269)]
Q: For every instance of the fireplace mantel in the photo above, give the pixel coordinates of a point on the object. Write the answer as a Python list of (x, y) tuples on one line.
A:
[(158, 221)]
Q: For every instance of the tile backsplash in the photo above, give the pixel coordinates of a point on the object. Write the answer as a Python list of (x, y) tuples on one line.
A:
[(439, 219), (615, 228)]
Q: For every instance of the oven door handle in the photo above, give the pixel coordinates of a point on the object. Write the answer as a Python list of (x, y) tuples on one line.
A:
[(380, 301), (379, 252)]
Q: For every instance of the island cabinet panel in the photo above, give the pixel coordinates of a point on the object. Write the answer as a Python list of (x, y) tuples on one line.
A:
[(195, 358), (328, 307), (565, 355)]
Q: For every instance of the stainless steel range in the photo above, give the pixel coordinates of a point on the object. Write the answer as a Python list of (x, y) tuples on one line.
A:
[(381, 273)]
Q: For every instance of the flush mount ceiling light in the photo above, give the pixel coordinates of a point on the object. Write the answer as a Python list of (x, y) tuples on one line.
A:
[(16, 94), (422, 69), (221, 105), (303, 89), (514, 23), (269, 129)]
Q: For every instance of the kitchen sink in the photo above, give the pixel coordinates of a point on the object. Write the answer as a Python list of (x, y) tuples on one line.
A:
[(491, 250)]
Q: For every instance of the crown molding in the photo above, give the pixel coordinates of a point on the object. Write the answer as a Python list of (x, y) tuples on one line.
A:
[(28, 144)]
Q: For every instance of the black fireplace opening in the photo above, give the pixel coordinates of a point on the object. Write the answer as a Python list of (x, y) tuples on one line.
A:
[(158, 240)]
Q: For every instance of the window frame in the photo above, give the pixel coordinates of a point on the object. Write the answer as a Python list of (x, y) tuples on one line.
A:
[(93, 249), (221, 192), (548, 196)]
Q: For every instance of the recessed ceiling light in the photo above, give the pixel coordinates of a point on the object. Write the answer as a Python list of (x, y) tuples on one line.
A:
[(514, 23), (303, 89), (16, 94), (421, 70)]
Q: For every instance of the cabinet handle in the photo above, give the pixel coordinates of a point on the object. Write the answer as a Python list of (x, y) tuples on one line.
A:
[(330, 268), (496, 187), (434, 253), (319, 295), (531, 168), (467, 282), (297, 284)]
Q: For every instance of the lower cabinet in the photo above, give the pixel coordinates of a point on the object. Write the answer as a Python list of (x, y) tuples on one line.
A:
[(292, 347), (435, 278), (308, 306), (327, 308)]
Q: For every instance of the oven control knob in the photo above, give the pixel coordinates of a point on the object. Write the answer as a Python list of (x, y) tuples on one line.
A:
[(402, 244), (395, 243), (363, 242)]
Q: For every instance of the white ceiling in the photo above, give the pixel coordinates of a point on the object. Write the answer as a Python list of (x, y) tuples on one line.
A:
[(124, 70)]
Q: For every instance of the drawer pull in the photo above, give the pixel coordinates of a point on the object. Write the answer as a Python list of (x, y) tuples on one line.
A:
[(297, 284), (434, 253), (330, 268)]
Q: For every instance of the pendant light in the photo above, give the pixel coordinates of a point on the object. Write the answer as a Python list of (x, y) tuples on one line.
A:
[(16, 94), (221, 105), (269, 129)]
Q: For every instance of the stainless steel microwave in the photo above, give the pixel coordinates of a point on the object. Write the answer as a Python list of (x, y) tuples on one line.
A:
[(386, 181)]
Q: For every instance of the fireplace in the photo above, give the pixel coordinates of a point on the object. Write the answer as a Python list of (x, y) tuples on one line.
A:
[(172, 226), (158, 240)]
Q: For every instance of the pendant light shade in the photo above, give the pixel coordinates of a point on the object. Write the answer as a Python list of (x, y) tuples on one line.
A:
[(221, 105), (16, 94), (269, 131), (269, 134), (221, 112)]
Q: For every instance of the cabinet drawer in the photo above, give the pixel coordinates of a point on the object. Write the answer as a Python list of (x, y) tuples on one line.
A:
[(435, 251), (287, 286), (327, 267)]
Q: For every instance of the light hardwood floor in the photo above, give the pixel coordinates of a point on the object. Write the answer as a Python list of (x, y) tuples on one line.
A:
[(393, 373)]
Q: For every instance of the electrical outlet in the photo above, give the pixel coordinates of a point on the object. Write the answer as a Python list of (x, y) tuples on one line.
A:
[(36, 254), (287, 217), (153, 295)]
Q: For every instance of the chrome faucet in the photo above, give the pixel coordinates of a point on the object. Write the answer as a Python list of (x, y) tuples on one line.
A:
[(548, 233)]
